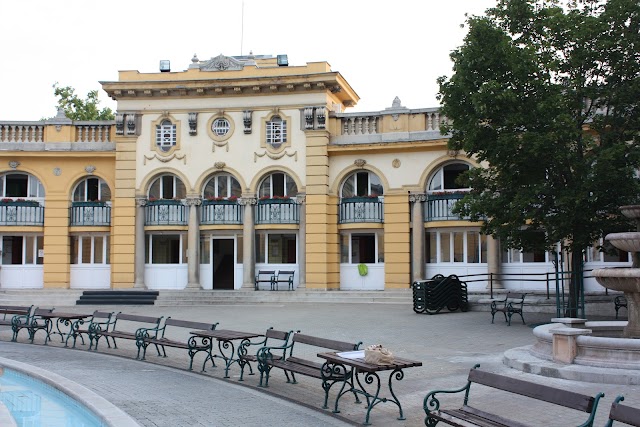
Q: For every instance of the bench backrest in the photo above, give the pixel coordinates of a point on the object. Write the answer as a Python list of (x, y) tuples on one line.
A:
[(325, 343), (137, 318), (288, 273), (277, 335), (190, 324), (623, 413), (101, 314), (39, 311), (545, 393), (266, 273), (12, 310)]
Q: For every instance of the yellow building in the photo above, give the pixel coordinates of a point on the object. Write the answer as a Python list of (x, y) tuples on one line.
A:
[(232, 166)]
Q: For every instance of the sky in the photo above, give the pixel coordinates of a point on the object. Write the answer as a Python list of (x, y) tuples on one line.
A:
[(383, 49)]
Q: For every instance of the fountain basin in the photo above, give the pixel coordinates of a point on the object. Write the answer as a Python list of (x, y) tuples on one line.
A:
[(619, 279), (631, 211), (629, 241)]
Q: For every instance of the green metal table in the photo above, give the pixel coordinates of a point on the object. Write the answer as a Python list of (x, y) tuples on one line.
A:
[(225, 339), (69, 321)]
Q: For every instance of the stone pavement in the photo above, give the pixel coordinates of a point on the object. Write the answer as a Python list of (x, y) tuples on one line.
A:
[(161, 392)]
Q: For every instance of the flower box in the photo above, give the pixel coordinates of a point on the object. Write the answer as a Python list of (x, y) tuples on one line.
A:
[(220, 201), (361, 199), (275, 200), (31, 203), (162, 202), (88, 204)]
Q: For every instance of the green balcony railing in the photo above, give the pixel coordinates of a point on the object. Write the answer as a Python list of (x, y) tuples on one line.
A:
[(90, 214), (361, 209), (277, 211), (21, 213), (165, 212), (214, 212), (440, 207)]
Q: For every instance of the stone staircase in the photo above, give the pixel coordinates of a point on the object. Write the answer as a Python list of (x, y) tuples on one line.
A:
[(597, 304)]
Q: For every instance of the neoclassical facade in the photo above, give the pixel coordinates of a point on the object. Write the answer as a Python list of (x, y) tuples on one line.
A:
[(235, 165)]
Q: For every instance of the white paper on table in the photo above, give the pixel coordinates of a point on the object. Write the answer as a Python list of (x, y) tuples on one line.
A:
[(358, 354)]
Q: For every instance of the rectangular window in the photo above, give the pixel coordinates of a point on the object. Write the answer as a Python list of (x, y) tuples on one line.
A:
[(16, 185), (282, 248), (473, 247), (86, 250), (205, 245), (533, 256), (89, 249), (98, 250), (167, 249), (239, 242), (431, 251), (458, 247), (260, 249), (74, 249), (344, 248), (363, 248), (445, 247)]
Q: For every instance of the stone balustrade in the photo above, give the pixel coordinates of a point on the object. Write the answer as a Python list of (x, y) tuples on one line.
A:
[(36, 131), (21, 131)]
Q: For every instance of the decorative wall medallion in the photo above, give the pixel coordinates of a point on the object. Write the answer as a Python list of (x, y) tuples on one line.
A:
[(360, 162), (14, 164), (273, 156), (396, 163), (453, 153), (90, 169), (166, 159), (221, 63), (219, 165), (57, 171)]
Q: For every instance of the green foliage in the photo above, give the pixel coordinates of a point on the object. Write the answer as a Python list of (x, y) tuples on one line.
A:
[(547, 94), (76, 108)]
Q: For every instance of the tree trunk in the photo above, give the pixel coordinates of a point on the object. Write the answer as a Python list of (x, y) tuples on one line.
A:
[(576, 286)]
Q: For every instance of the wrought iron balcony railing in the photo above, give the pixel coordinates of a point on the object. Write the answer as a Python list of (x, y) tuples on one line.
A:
[(214, 212), (361, 209), (440, 207), (165, 212), (277, 211), (21, 213), (90, 214)]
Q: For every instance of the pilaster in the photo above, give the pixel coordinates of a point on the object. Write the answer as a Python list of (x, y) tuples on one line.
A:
[(397, 249), (249, 242), (56, 265)]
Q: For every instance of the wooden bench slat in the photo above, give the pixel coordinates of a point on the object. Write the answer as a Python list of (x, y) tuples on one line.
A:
[(625, 414), (542, 392), (324, 342), (137, 318), (190, 324)]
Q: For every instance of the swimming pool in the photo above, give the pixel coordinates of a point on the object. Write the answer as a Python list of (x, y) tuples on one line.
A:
[(33, 403)]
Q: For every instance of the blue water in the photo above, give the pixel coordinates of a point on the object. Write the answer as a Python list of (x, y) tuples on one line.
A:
[(33, 403)]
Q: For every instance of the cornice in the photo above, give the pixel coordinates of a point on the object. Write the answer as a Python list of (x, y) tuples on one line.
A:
[(242, 86)]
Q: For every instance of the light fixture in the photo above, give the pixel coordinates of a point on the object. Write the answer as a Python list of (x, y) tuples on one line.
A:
[(283, 60), (165, 65)]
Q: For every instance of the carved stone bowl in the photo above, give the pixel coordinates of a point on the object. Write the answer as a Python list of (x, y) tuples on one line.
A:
[(629, 241)]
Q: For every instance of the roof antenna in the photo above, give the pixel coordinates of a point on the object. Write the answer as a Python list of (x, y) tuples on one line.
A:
[(242, 30)]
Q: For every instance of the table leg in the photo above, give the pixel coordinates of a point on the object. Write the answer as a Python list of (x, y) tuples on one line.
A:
[(73, 332), (229, 357), (206, 346), (374, 399), (332, 373)]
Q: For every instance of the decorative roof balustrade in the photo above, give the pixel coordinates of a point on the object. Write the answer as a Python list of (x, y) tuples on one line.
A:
[(101, 131), (396, 124)]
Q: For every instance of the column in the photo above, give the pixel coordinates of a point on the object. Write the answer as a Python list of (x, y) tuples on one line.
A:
[(248, 237), (417, 235), (193, 244), (493, 262), (302, 242), (141, 203)]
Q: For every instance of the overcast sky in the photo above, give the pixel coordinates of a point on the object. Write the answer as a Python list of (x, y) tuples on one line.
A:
[(383, 49)]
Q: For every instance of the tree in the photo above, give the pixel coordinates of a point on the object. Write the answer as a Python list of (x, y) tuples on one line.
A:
[(81, 109), (546, 94)]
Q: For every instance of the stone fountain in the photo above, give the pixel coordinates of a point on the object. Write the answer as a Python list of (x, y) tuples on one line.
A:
[(593, 351), (626, 280)]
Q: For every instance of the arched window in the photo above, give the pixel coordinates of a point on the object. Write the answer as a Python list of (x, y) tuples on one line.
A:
[(277, 184), (446, 178), (167, 187), (21, 185), (361, 184), (222, 186), (166, 135), (92, 189)]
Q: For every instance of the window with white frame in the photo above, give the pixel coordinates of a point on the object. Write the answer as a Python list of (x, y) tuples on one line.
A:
[(514, 255), (21, 185), (22, 250), (460, 246), (220, 127), (277, 184), (165, 248), (92, 189), (446, 178), (276, 248), (604, 251), (166, 135), (361, 184), (361, 248), (276, 132), (167, 187), (90, 249), (222, 185)]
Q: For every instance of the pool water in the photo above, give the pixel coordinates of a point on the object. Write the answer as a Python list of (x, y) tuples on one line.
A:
[(33, 403)]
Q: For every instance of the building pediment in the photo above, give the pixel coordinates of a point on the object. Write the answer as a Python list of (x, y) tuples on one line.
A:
[(221, 63)]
